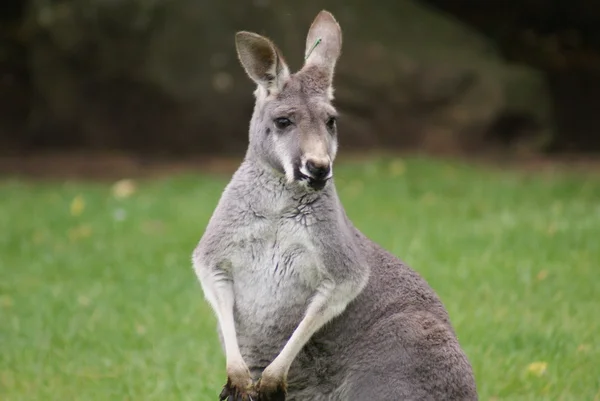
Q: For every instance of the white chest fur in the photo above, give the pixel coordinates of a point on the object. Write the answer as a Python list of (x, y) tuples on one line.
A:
[(274, 252), (275, 266)]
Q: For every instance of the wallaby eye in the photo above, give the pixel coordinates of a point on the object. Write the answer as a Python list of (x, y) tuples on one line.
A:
[(282, 122), (331, 123)]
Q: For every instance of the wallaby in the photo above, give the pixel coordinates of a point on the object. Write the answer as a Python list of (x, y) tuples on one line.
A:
[(309, 308)]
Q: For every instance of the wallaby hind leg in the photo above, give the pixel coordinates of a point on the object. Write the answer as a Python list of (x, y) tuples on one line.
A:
[(375, 386), (386, 381), (412, 358)]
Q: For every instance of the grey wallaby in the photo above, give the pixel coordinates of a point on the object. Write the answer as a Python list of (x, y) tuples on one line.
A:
[(309, 308)]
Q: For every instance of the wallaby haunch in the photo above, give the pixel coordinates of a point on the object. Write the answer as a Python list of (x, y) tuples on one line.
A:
[(308, 307)]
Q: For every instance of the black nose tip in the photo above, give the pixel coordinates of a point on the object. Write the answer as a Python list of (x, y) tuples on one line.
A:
[(318, 171)]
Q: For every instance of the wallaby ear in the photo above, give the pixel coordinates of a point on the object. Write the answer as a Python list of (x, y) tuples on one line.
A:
[(323, 44), (262, 60)]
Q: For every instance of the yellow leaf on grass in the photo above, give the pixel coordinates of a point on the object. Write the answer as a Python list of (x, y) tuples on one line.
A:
[(6, 301), (542, 275), (38, 237), (584, 348), (80, 232), (83, 300), (537, 368), (152, 227), (354, 188), (77, 205), (124, 188), (397, 168), (428, 198), (449, 172)]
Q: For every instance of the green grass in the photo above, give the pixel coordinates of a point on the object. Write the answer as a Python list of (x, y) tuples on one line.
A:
[(105, 305)]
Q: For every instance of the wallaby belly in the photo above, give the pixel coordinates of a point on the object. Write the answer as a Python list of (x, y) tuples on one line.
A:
[(275, 272)]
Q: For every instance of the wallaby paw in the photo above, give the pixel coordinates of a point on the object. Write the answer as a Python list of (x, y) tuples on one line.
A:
[(271, 390), (232, 392)]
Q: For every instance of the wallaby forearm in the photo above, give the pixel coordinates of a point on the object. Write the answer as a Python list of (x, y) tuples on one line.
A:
[(330, 300), (218, 290)]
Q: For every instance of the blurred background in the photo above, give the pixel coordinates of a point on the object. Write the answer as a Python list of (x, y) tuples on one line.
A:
[(121, 121), (160, 78)]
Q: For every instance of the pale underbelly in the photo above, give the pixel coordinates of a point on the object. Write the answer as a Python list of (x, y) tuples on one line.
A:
[(274, 278), (267, 311)]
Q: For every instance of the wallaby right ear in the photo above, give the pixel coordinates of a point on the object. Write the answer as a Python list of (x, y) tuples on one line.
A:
[(323, 44), (262, 60)]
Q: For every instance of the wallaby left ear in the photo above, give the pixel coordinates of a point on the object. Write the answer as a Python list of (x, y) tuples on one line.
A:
[(262, 60), (323, 44)]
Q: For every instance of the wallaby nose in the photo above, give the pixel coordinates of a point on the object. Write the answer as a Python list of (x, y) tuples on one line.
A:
[(318, 170)]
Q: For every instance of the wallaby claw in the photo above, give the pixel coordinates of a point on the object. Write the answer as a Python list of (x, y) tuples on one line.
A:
[(272, 393), (231, 392)]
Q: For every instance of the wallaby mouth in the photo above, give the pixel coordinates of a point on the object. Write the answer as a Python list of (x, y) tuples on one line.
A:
[(316, 184)]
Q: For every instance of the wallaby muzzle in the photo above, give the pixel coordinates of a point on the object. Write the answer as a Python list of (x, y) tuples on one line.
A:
[(315, 171)]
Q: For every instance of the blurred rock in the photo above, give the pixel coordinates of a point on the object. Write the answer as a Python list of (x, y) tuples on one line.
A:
[(162, 75)]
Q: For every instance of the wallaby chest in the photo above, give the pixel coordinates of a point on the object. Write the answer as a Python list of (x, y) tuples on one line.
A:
[(273, 259), (275, 270), (274, 253)]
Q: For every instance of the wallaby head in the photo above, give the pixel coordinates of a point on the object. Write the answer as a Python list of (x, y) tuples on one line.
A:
[(293, 129)]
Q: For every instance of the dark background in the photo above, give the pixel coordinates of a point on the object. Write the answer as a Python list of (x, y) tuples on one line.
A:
[(160, 77)]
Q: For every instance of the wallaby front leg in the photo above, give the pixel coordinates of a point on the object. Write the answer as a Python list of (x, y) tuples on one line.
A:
[(329, 301), (218, 290)]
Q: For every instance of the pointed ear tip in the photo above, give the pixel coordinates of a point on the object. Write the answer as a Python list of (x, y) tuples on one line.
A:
[(246, 37), (325, 18), (240, 36), (326, 14), (243, 39), (244, 34)]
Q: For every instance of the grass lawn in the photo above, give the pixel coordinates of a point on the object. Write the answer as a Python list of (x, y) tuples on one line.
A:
[(98, 300)]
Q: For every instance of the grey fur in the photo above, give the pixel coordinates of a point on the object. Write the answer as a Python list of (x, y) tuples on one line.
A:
[(279, 257)]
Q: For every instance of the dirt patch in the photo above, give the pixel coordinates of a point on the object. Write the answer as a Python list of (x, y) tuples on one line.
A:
[(107, 166), (112, 166)]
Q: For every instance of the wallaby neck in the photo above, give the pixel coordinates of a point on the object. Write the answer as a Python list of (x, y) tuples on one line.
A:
[(258, 180)]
